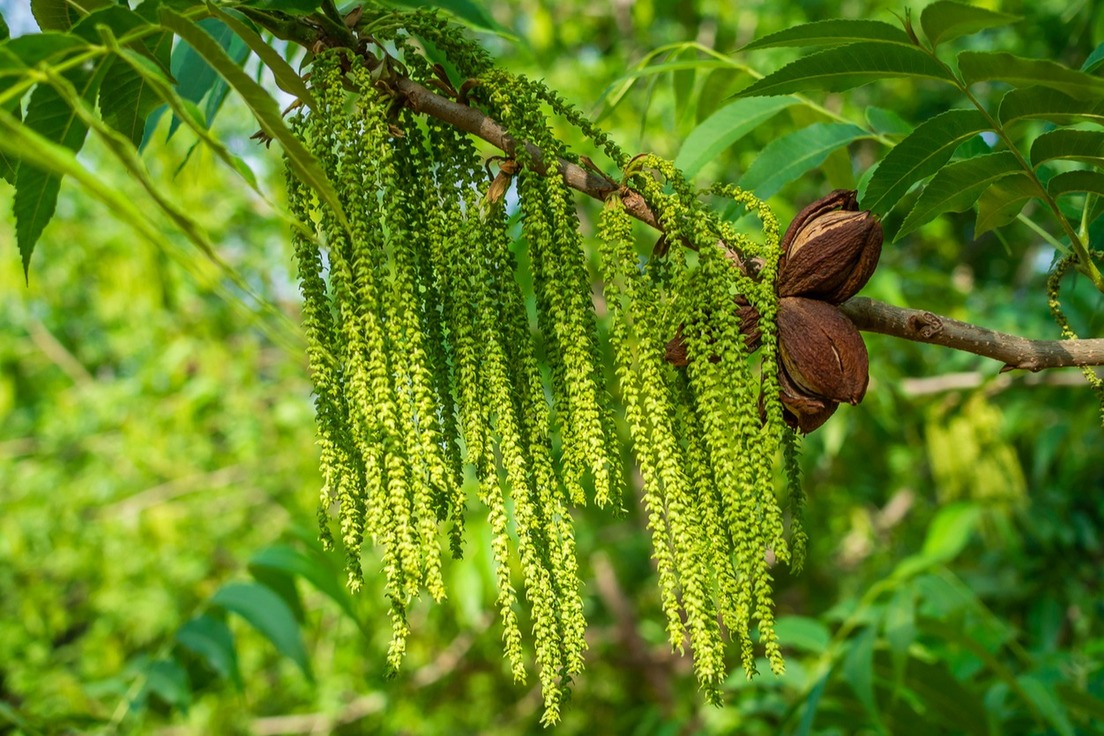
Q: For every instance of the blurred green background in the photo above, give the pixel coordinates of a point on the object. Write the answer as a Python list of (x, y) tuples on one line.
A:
[(157, 446)]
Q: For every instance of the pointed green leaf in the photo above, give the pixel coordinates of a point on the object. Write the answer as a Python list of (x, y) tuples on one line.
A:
[(858, 669), (1002, 202), (5, 33), (984, 66), (1095, 59), (1073, 145), (291, 7), (785, 159), (267, 613), (211, 639), (954, 525), (887, 121), (832, 33), (956, 187), (36, 190), (295, 563), (724, 127), (944, 20), (195, 77), (472, 13), (918, 156), (848, 66), (166, 679), (1048, 104), (1091, 182), (263, 107), (803, 633), (61, 15), (34, 48), (286, 78)]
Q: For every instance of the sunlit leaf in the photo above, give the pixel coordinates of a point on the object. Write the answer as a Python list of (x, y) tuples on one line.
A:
[(268, 614), (944, 20), (472, 13), (985, 66), (262, 105), (954, 524), (803, 633), (212, 641), (61, 15), (1003, 201), (918, 156), (1073, 145), (286, 78), (34, 48), (1076, 181), (848, 66), (833, 33), (724, 127), (956, 187)]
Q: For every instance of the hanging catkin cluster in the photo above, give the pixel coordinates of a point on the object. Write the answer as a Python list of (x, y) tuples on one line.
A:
[(427, 369)]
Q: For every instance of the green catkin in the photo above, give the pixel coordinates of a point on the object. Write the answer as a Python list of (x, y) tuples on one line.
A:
[(1054, 284), (427, 368)]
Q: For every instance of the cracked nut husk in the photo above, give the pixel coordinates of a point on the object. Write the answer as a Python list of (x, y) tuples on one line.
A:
[(822, 354), (829, 253)]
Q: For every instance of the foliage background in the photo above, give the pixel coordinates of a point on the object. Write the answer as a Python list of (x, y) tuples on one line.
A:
[(157, 441)]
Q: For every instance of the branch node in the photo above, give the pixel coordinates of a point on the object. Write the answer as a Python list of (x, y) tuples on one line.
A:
[(925, 324)]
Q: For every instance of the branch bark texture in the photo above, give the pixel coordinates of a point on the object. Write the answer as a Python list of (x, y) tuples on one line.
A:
[(869, 315)]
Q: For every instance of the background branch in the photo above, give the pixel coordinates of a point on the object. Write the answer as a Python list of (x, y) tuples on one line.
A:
[(867, 314)]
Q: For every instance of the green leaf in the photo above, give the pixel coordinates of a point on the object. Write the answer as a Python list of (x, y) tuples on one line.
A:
[(952, 527), (858, 669), (196, 77), (1048, 104), (267, 613), (286, 78), (1002, 202), (922, 153), (983, 66), (899, 625), (211, 639), (833, 33), (955, 188), (166, 679), (471, 13), (803, 633), (944, 20), (1043, 697), (1076, 181), (724, 127), (1073, 145), (846, 67), (34, 48), (295, 563), (36, 190), (957, 707), (263, 107), (785, 159), (1095, 59), (887, 121), (5, 33), (290, 7), (61, 15)]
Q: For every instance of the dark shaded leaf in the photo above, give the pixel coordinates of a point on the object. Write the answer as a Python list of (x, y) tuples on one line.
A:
[(1046, 701), (954, 188), (1002, 202), (315, 571), (848, 66), (166, 679), (1076, 181), (36, 190), (983, 66), (833, 33), (951, 702), (268, 614), (944, 20), (5, 33), (785, 159), (213, 642), (1073, 145), (857, 670), (263, 107), (918, 156), (1095, 59), (61, 15), (724, 127)]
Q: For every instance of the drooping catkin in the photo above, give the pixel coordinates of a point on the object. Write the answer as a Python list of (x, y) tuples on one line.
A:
[(428, 368)]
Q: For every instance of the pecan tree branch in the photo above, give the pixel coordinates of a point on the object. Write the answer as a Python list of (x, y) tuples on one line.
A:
[(1014, 351), (867, 314)]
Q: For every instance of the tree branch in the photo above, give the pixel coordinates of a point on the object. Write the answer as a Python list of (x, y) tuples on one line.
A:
[(1014, 351), (867, 314)]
